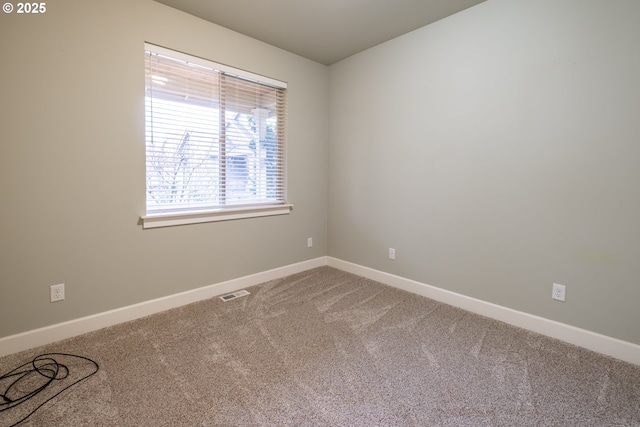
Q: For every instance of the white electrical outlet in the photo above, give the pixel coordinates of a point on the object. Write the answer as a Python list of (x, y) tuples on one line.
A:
[(559, 292), (56, 292), (309, 242), (392, 253)]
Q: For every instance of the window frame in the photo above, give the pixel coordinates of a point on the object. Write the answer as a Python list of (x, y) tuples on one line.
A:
[(182, 216)]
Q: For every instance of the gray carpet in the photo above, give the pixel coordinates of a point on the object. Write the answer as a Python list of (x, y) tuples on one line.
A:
[(327, 348)]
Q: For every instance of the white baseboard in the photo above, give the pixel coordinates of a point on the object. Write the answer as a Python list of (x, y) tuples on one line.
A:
[(37, 337), (602, 344), (613, 347)]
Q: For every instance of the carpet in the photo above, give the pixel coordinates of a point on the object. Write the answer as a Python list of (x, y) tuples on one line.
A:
[(328, 348)]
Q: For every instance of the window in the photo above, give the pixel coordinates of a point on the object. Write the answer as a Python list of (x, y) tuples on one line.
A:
[(214, 141)]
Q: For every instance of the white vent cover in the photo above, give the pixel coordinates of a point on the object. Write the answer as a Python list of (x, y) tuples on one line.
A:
[(236, 294)]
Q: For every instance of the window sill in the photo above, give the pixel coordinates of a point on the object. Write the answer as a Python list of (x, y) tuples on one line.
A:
[(195, 217)]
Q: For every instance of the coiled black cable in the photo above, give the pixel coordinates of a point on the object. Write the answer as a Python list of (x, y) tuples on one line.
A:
[(32, 378)]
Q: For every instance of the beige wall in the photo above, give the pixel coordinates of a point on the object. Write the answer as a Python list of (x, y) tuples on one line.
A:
[(72, 163), (498, 151)]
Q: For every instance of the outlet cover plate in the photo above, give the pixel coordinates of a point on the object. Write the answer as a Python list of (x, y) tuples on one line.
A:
[(559, 292), (56, 292)]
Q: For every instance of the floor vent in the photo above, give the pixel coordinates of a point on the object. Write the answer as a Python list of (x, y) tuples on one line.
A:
[(234, 295)]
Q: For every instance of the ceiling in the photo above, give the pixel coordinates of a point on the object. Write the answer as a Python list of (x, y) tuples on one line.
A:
[(324, 31)]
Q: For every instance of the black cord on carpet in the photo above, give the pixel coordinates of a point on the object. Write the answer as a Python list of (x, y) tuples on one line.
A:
[(28, 380)]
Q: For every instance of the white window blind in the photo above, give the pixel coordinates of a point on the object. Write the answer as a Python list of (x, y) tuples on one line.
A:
[(214, 136)]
